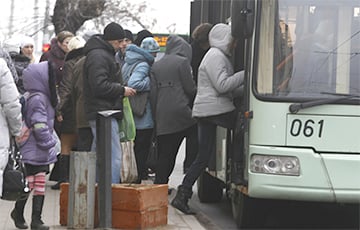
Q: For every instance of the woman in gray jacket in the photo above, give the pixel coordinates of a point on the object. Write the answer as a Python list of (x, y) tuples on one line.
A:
[(172, 91), (213, 105)]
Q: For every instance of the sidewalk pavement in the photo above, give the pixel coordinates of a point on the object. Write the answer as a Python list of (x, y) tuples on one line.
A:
[(51, 216)]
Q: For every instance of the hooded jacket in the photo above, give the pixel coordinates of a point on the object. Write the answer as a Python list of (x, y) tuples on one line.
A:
[(39, 116), (10, 115), (135, 72), (173, 88), (216, 78), (102, 78)]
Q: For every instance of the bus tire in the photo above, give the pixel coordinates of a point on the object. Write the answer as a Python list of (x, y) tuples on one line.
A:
[(210, 189), (248, 212)]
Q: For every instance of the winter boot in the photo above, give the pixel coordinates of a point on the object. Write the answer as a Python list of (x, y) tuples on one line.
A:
[(17, 214), (64, 171), (181, 199), (36, 222)]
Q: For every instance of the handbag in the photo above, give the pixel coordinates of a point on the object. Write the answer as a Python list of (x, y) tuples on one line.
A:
[(128, 172), (138, 103), (127, 129), (15, 185), (139, 100)]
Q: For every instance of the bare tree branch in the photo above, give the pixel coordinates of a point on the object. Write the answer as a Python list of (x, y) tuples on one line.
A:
[(70, 15)]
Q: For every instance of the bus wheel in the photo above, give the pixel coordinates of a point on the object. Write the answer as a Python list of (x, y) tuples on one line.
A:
[(248, 212), (210, 189)]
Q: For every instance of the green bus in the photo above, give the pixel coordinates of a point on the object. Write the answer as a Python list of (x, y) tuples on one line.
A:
[(299, 119)]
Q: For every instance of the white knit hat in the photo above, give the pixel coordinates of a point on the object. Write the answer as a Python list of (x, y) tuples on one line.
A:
[(76, 43), (26, 40)]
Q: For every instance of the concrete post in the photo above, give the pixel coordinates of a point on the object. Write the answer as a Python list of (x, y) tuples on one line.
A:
[(81, 206)]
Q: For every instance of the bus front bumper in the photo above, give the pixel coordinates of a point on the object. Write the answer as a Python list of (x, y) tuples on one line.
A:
[(322, 177)]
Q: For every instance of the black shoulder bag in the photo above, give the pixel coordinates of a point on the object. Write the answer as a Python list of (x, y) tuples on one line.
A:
[(139, 100), (15, 185)]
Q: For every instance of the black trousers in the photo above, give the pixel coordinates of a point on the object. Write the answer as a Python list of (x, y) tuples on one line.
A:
[(84, 139), (168, 147), (141, 148)]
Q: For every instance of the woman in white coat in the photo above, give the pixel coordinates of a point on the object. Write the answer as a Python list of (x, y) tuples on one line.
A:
[(10, 115), (218, 84)]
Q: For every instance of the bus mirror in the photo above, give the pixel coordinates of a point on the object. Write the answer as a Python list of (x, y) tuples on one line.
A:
[(242, 18)]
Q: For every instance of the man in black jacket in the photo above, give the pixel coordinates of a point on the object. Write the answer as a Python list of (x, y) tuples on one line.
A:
[(102, 86)]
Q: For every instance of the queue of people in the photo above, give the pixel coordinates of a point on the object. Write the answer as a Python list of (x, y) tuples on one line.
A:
[(191, 89)]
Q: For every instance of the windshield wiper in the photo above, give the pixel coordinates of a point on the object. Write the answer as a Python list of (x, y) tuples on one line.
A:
[(296, 107)]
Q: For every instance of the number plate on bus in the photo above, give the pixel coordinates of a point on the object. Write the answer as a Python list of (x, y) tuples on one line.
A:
[(324, 133)]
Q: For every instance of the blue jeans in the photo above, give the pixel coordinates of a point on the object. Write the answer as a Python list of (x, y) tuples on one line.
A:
[(206, 146), (116, 152), (207, 138)]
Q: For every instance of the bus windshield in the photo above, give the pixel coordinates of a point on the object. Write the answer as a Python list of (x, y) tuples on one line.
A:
[(315, 50)]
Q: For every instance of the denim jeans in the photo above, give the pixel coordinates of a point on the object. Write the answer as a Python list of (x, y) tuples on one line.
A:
[(207, 138), (116, 152)]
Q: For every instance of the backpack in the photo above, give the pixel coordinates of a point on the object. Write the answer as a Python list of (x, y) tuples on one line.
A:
[(25, 130)]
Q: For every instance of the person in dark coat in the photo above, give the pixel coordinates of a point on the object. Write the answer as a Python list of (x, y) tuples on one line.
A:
[(172, 90), (141, 35), (56, 57), (199, 46), (65, 110), (103, 89), (22, 56), (120, 55), (57, 52)]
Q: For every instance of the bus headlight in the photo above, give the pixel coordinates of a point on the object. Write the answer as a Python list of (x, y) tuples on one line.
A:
[(282, 165)]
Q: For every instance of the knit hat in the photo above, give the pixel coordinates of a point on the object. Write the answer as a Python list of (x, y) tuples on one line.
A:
[(113, 31), (129, 35), (150, 44), (26, 40), (141, 35), (76, 43)]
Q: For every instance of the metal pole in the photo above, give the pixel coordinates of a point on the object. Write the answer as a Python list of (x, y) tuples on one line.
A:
[(103, 155)]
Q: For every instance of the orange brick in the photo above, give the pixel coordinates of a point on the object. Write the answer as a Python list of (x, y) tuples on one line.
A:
[(134, 206)]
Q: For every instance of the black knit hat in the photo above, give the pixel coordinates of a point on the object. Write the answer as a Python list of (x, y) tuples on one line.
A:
[(129, 35), (113, 31), (141, 35)]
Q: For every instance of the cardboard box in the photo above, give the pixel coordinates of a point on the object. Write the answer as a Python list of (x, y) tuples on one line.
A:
[(134, 206)]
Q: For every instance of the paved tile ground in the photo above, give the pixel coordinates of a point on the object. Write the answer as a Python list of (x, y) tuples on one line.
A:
[(176, 219)]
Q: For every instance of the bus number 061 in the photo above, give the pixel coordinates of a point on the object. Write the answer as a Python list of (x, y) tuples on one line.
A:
[(307, 128)]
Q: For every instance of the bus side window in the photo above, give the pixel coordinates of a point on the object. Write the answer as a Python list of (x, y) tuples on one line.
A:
[(355, 58), (283, 58)]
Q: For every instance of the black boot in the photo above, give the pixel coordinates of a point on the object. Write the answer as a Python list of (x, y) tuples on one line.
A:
[(36, 222), (181, 199), (17, 214), (64, 171)]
